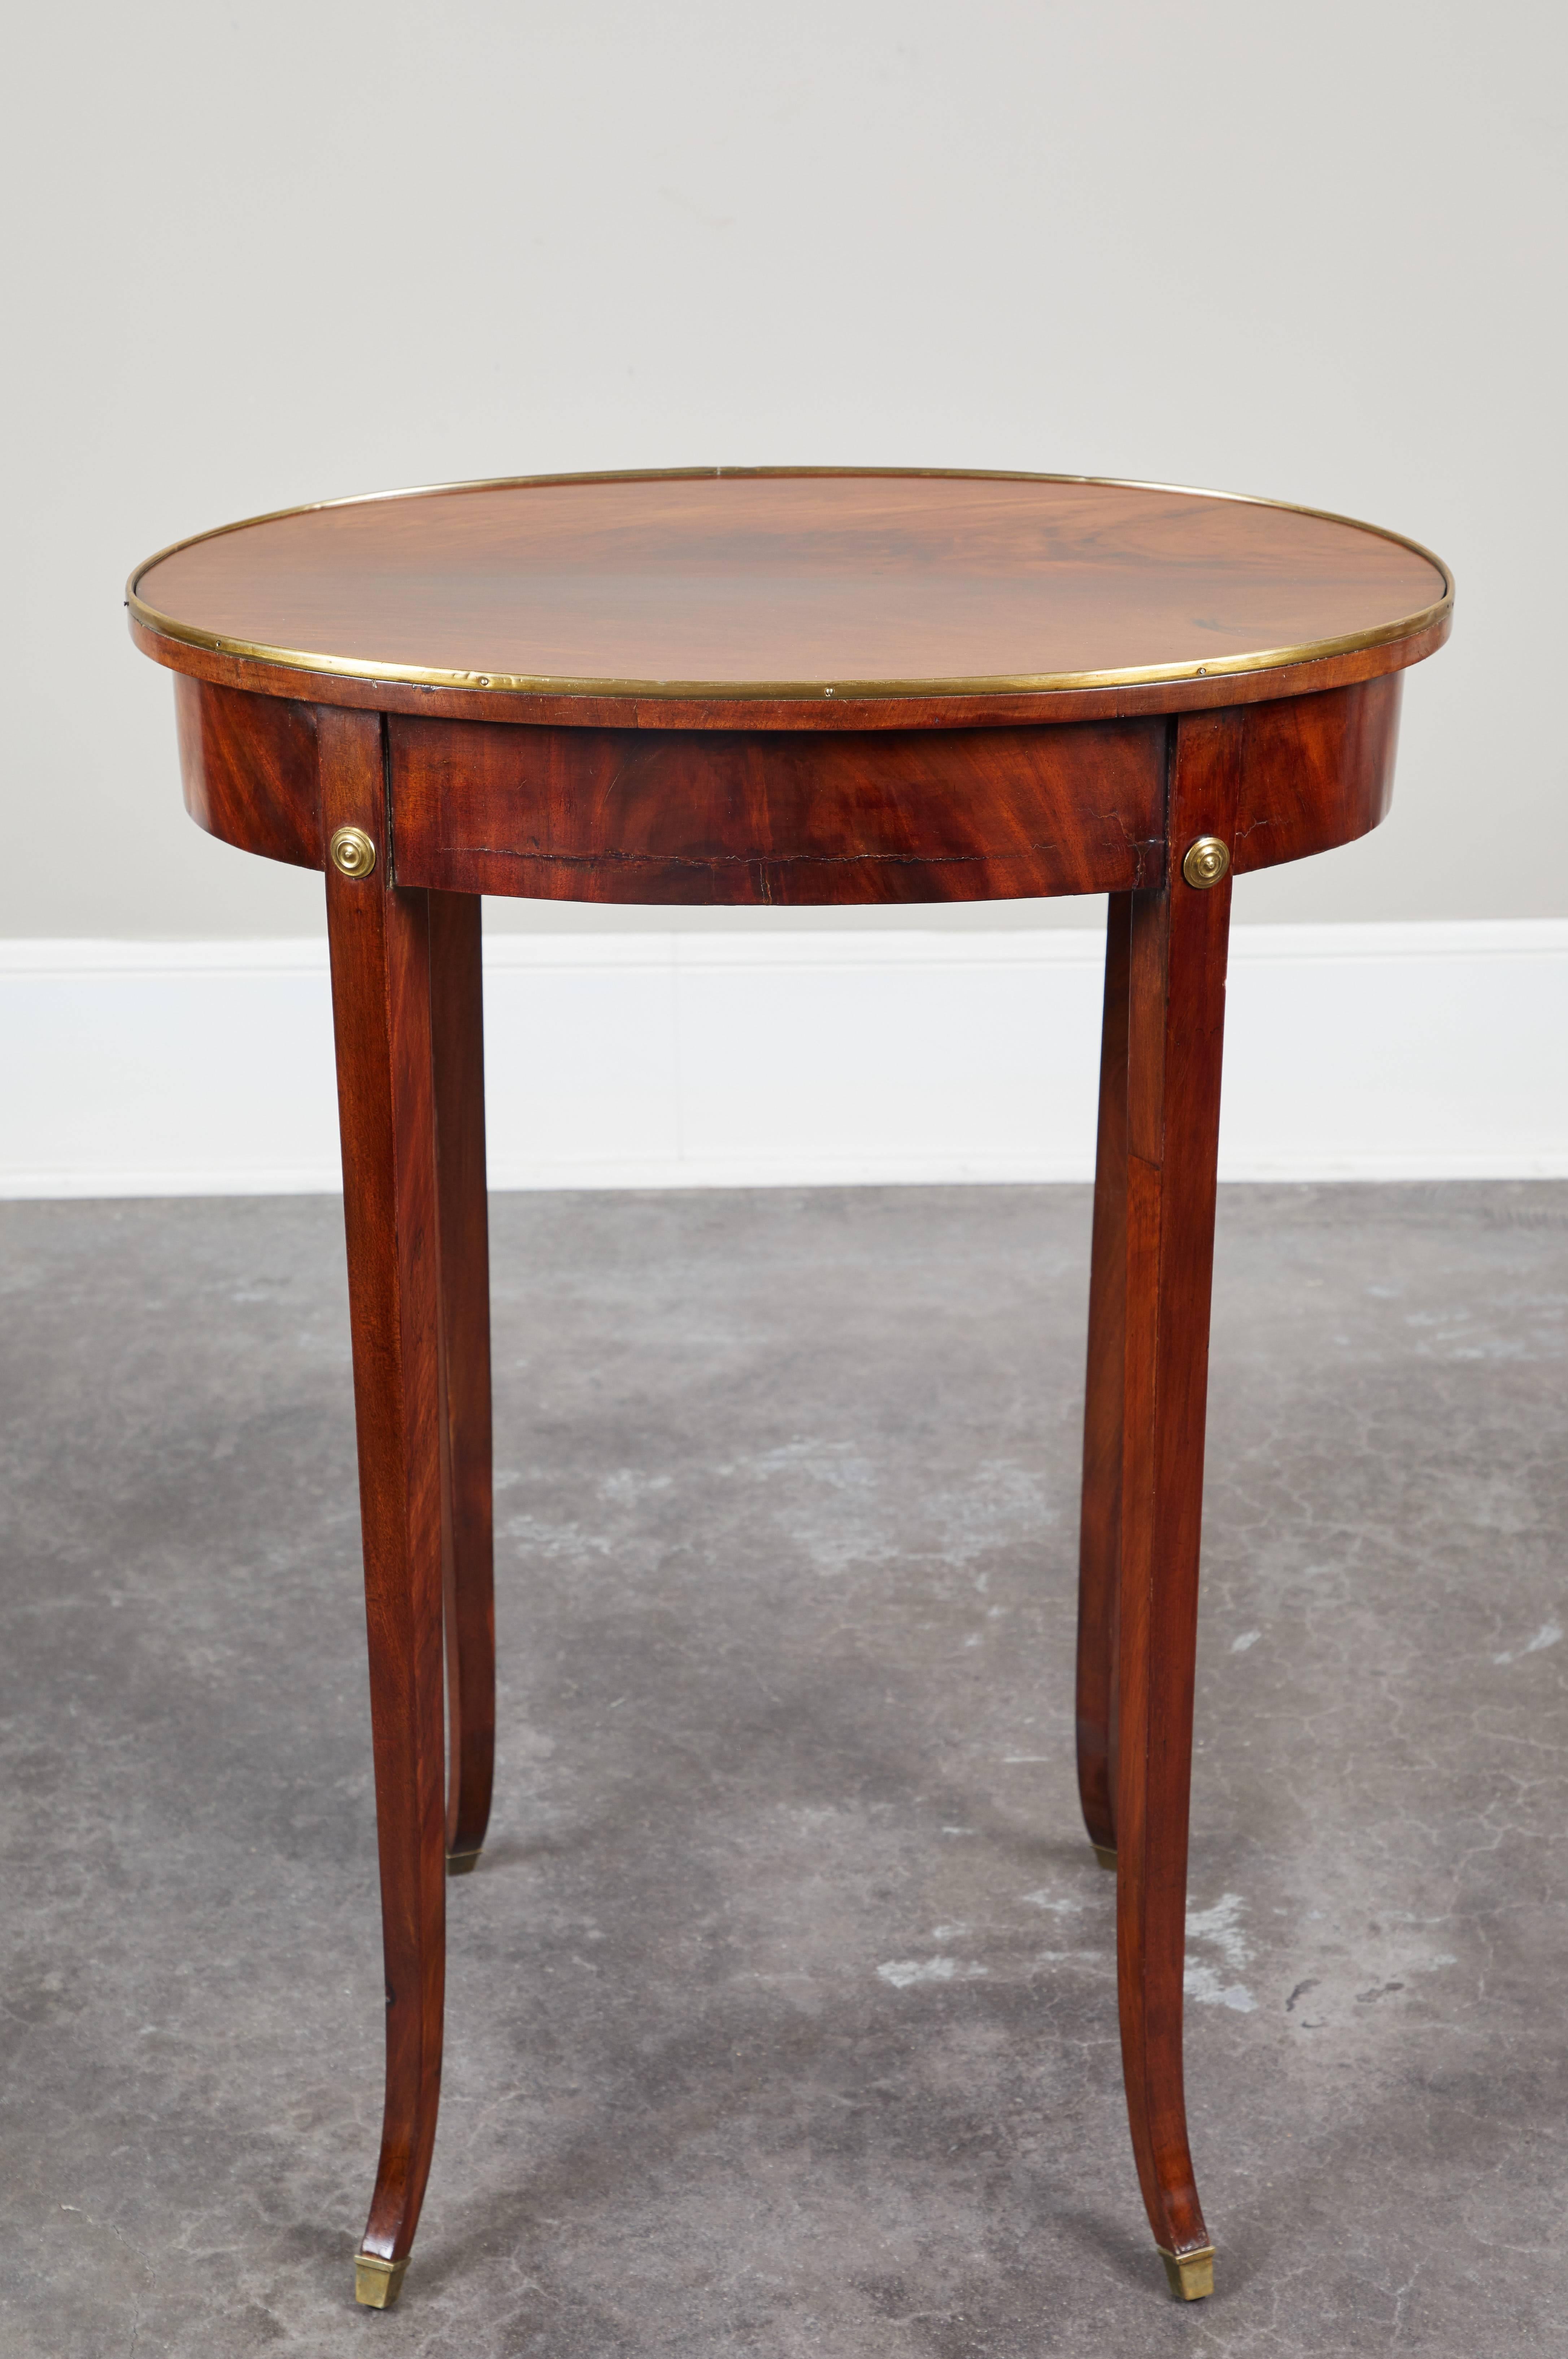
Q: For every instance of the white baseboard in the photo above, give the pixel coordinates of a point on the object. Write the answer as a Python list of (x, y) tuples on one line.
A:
[(751, 1059)]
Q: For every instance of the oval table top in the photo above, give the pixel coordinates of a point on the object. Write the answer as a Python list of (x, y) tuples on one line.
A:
[(777, 589)]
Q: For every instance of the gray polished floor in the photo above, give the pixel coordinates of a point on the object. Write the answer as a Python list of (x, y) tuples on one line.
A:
[(782, 2012)]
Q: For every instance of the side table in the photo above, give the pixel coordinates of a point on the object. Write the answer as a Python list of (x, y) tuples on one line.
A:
[(796, 687)]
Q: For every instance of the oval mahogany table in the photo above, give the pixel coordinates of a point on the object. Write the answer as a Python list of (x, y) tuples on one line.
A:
[(801, 685)]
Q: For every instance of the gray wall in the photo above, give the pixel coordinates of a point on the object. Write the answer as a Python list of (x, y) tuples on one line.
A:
[(261, 256)]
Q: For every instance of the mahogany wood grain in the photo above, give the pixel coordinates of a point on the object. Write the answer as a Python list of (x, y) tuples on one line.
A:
[(1099, 1540), (618, 815), (379, 940), (1316, 771), (250, 771), (837, 818), (1313, 772), (457, 1027), (794, 586), (1177, 966)]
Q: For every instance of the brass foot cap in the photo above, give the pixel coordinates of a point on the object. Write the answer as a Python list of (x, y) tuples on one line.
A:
[(1105, 1855), (1190, 2276), (378, 2283), (461, 1863)]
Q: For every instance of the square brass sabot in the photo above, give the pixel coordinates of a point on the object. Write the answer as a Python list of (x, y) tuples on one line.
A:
[(378, 2283), (1190, 2276)]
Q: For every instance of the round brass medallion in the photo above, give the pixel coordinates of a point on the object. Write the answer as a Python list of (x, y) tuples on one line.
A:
[(352, 851), (1206, 862)]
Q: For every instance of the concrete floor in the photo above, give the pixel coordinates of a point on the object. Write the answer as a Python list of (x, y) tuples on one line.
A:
[(782, 2014)]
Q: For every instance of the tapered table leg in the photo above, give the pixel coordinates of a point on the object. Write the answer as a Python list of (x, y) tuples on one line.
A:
[(1100, 1541), (1175, 1025), (458, 1044), (379, 940)]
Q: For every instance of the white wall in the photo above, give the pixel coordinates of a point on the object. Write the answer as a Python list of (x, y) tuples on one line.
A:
[(1352, 1052), (254, 255)]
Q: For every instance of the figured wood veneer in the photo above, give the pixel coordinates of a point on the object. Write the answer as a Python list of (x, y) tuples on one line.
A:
[(618, 815), (711, 816), (790, 589), (250, 771)]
